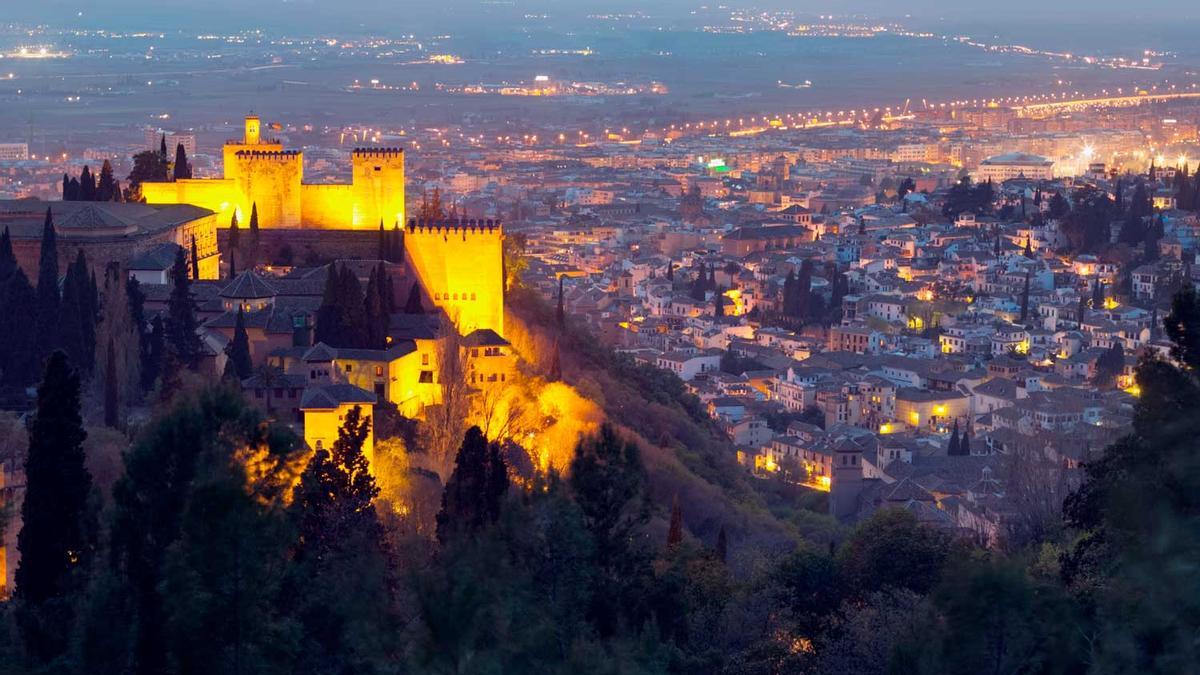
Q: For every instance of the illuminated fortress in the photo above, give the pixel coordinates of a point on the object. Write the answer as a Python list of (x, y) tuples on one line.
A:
[(259, 172)]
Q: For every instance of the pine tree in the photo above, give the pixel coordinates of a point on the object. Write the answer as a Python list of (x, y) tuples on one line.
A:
[(48, 300), (471, 500), (56, 541), (182, 340), (952, 449), (238, 349), (182, 169), (675, 530)]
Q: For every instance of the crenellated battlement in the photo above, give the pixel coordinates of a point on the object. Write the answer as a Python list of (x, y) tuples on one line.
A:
[(377, 152), (269, 155), (461, 225)]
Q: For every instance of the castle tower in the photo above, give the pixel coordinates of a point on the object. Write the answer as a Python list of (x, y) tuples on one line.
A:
[(252, 135), (460, 265), (272, 180), (377, 179)]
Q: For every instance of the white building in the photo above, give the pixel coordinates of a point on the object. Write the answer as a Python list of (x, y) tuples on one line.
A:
[(14, 152), (1000, 168)]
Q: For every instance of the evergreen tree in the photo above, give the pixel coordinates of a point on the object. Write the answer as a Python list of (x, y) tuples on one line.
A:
[(68, 191), (8, 260), (19, 346), (1028, 252), (675, 529), (1025, 298), (77, 325), (329, 328), (162, 149), (56, 540), (952, 449), (670, 270), (353, 311), (1182, 327), (1098, 295), (555, 372), (47, 291), (87, 185), (387, 295), (722, 549), (254, 240), (235, 234), (232, 264), (397, 243), (195, 260), (107, 190), (471, 500), (607, 480), (338, 581), (964, 446), (112, 404), (155, 351), (238, 349), (413, 304), (182, 169), (107, 185), (182, 340), (375, 313), (383, 243), (560, 316)]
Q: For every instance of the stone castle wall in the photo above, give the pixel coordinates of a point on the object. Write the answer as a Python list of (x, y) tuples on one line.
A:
[(460, 264)]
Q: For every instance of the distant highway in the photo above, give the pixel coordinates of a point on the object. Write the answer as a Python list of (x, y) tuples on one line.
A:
[(1105, 101)]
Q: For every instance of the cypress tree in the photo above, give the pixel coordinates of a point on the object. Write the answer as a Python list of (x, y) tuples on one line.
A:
[(47, 291), (722, 550), (952, 449), (87, 185), (397, 244), (675, 530), (329, 328), (254, 241), (77, 321), (111, 388), (353, 311), (68, 194), (235, 235), (383, 244), (1098, 295), (182, 341), (375, 314), (1025, 298), (56, 541), (8, 260), (559, 313), (555, 372), (19, 348), (471, 500), (1028, 252), (155, 352), (195, 260), (386, 293), (232, 264), (238, 349), (964, 446), (182, 169), (670, 270), (108, 189), (413, 304), (162, 149)]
